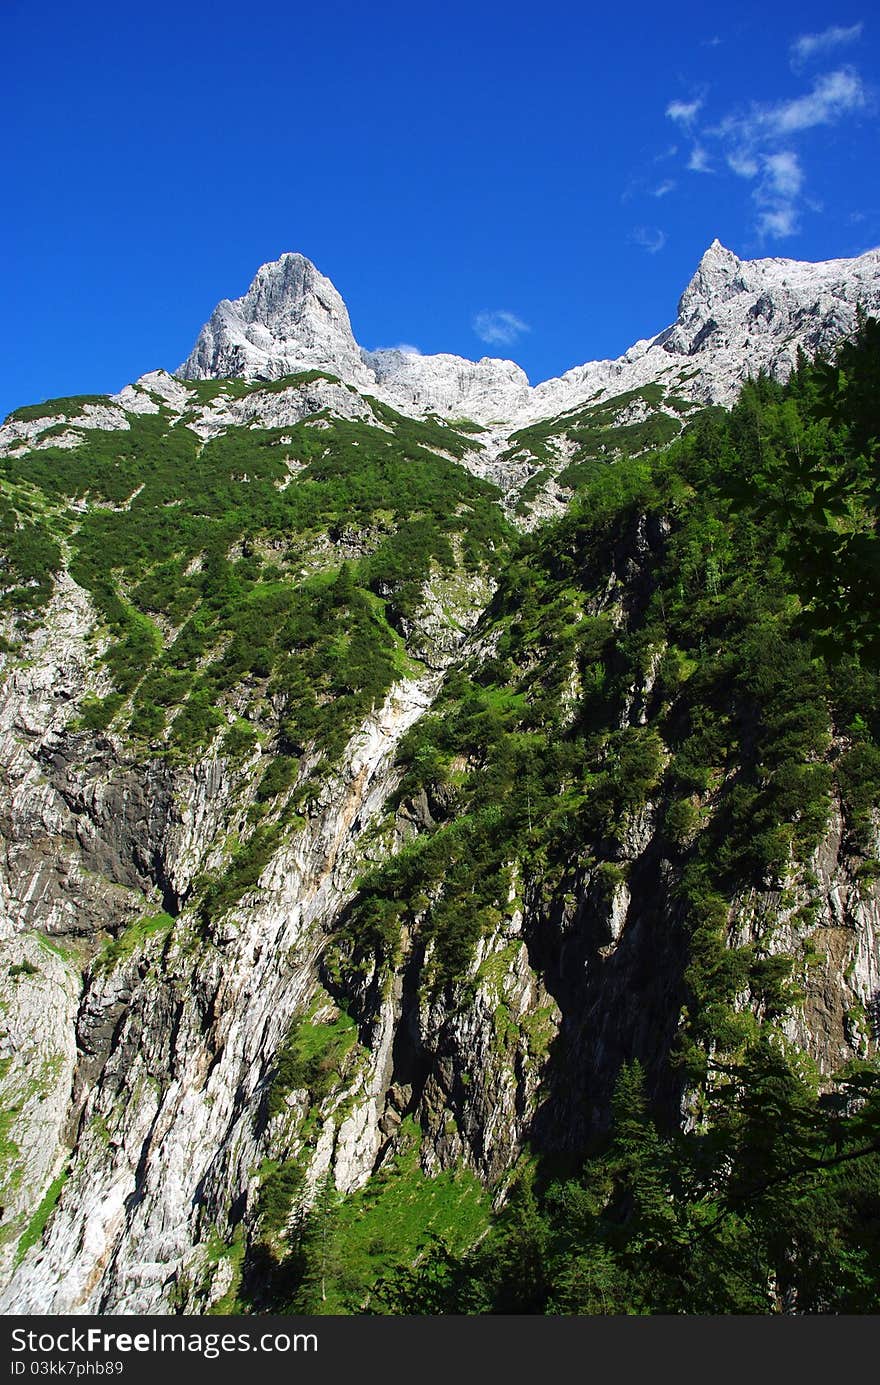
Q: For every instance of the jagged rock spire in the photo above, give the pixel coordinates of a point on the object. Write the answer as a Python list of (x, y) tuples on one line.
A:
[(291, 318)]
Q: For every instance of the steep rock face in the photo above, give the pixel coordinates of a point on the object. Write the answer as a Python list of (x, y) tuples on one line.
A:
[(735, 317), (40, 987), (170, 1135), (756, 314), (291, 318), (146, 1085), (172, 1048)]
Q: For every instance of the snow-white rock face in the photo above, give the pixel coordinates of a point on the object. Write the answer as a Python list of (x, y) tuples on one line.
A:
[(54, 430), (290, 319), (735, 318), (488, 390)]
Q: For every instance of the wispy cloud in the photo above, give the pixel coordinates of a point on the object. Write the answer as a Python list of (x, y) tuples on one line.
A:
[(833, 95), (499, 327), (783, 174), (763, 142), (836, 94), (650, 238), (699, 160), (807, 46), (684, 112), (755, 143), (406, 348), (743, 164), (778, 223), (776, 195)]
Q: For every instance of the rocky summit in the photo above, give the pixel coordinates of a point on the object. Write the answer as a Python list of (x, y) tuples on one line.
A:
[(441, 820)]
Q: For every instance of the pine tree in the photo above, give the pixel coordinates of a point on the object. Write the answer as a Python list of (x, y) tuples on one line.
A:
[(318, 1252)]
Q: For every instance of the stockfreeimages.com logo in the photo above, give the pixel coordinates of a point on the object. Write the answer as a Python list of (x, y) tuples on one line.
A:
[(93, 1341)]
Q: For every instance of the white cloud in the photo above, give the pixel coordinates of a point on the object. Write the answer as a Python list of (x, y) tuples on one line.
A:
[(499, 327), (762, 141), (808, 45), (778, 222), (685, 112), (743, 164), (833, 95), (699, 160), (783, 173), (750, 140), (777, 194), (406, 348), (650, 238)]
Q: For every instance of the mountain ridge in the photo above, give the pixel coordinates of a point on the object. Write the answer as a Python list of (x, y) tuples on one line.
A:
[(293, 318)]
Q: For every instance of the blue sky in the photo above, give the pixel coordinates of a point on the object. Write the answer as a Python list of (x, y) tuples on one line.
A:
[(536, 183)]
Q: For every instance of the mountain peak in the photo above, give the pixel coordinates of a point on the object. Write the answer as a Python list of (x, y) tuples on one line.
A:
[(719, 255), (287, 283), (291, 318), (716, 278)]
